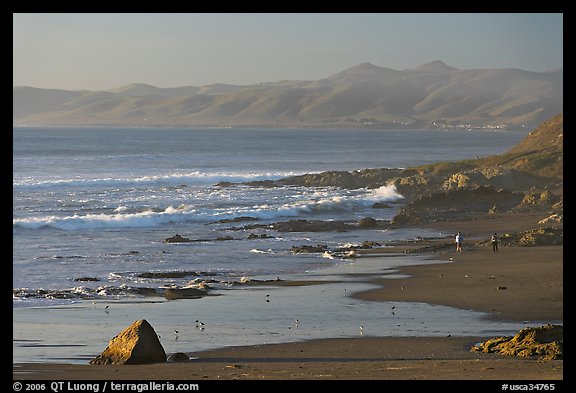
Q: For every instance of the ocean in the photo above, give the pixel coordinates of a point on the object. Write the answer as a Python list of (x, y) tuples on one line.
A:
[(92, 206)]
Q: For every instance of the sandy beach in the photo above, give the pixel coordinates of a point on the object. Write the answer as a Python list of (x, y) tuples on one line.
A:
[(518, 283)]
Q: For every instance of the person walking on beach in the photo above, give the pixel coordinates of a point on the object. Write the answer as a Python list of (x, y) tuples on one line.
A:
[(494, 241), (459, 239)]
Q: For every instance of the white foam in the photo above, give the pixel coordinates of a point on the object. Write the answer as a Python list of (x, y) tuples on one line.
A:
[(171, 179), (147, 218), (256, 251), (319, 202), (385, 194)]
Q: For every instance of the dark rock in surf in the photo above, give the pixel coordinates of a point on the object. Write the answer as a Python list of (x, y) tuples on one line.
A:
[(309, 249), (368, 222), (310, 226), (177, 239), (261, 183), (237, 219), (381, 205), (253, 236), (184, 293), (224, 238), (87, 279)]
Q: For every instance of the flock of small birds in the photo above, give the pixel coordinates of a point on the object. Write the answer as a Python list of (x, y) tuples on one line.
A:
[(201, 325)]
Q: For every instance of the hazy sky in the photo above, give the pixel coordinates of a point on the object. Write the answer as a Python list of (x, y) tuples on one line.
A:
[(103, 51)]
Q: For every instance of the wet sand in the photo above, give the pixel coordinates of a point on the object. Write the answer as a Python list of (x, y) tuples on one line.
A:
[(369, 358), (518, 283)]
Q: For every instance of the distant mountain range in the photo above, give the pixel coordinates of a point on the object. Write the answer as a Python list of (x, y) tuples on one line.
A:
[(366, 95)]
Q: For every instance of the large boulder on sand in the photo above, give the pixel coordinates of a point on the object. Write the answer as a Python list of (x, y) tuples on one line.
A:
[(544, 341), (137, 344)]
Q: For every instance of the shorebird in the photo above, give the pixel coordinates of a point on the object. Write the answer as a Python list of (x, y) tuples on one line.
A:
[(199, 324), (296, 323), (361, 330)]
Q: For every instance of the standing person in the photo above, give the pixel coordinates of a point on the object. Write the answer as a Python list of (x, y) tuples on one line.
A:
[(494, 240), (459, 239)]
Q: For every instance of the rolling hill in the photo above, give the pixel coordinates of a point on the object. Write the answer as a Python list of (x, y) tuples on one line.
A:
[(430, 95)]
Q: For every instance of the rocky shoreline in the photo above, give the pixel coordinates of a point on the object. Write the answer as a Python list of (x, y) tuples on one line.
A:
[(526, 179), (529, 177), (518, 194)]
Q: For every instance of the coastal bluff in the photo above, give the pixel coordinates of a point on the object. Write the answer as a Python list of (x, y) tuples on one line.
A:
[(526, 178)]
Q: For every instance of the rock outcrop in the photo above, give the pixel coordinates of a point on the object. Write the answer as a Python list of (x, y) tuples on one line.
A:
[(535, 237), (177, 239), (528, 177), (185, 293), (456, 204), (137, 344), (545, 342), (368, 223)]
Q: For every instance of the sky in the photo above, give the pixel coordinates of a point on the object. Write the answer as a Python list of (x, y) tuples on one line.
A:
[(92, 51)]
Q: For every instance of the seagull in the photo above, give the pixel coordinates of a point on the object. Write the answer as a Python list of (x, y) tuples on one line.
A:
[(361, 330)]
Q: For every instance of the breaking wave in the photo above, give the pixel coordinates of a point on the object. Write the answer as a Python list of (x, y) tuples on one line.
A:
[(321, 202), (174, 179)]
